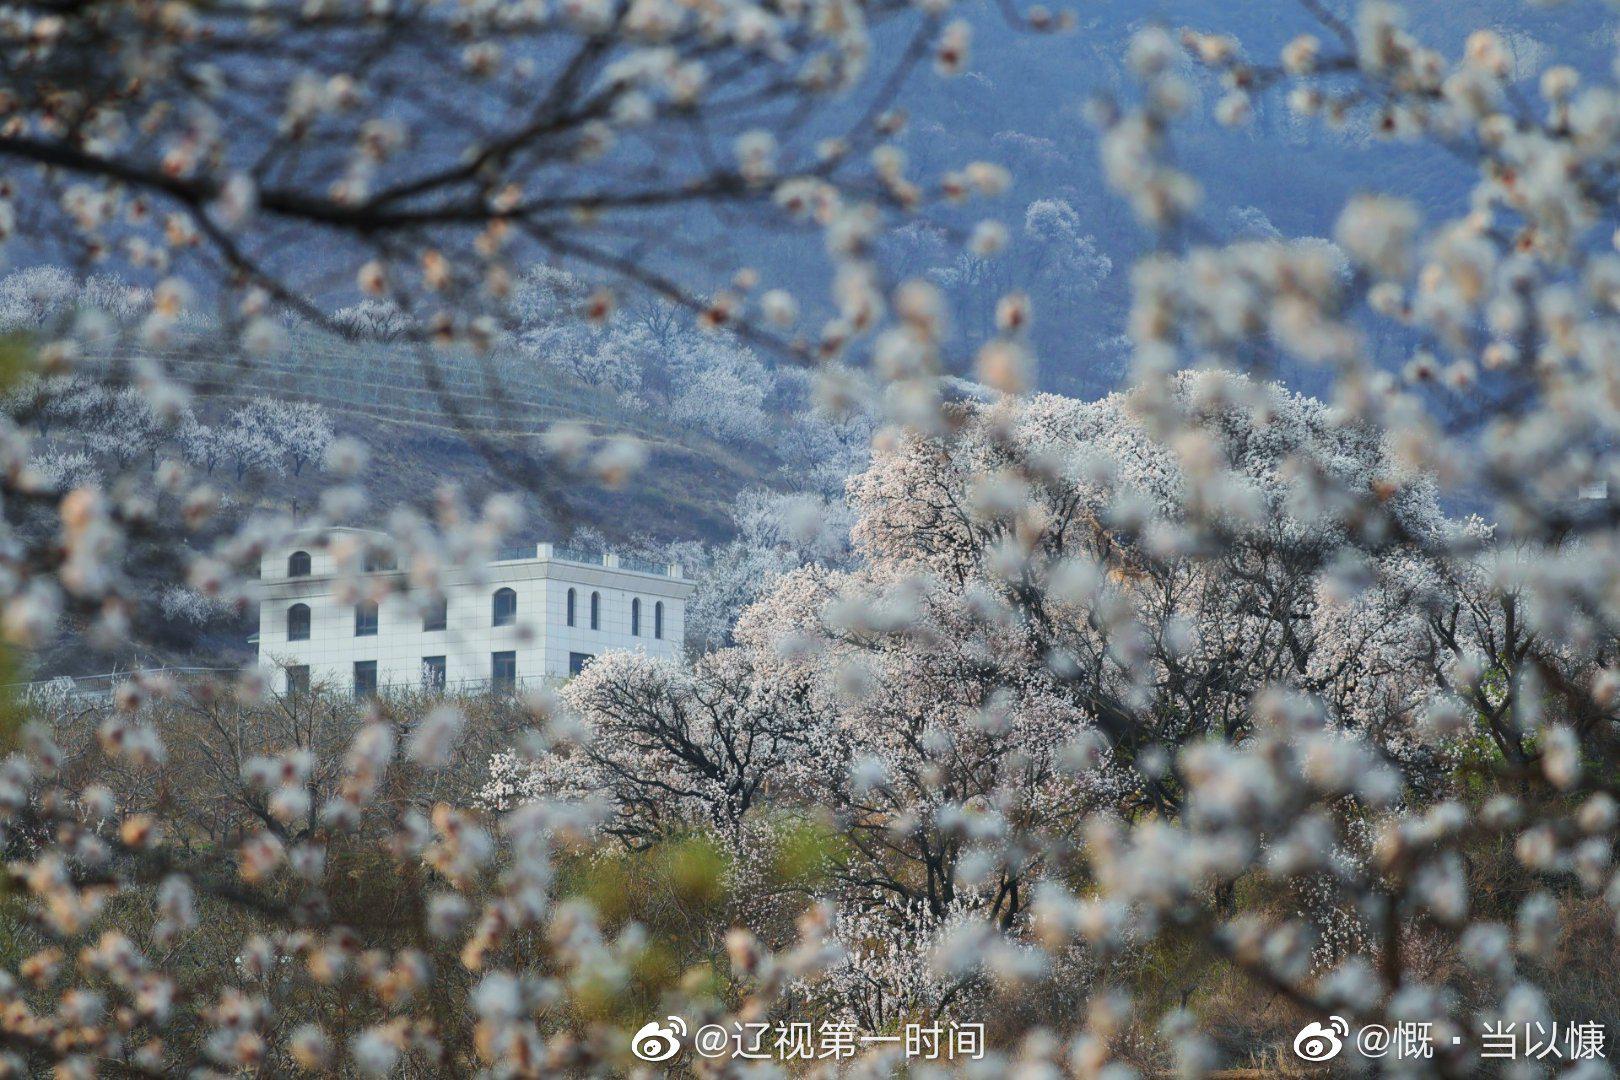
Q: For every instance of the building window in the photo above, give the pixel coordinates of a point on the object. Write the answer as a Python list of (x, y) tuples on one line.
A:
[(298, 622), (570, 607), (365, 678), (505, 607), (433, 673), (658, 620), (596, 611), (377, 560), (635, 617), (297, 680), (578, 660), (503, 670), (365, 619), (438, 614), (298, 564)]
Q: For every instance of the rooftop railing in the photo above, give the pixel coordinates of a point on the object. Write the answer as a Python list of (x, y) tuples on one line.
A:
[(646, 566), (518, 552), (510, 552), (579, 555)]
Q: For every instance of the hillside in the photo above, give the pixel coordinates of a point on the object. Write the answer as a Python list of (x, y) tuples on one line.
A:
[(413, 411), (412, 407)]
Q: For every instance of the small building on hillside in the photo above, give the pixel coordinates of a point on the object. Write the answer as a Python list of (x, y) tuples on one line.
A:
[(535, 613)]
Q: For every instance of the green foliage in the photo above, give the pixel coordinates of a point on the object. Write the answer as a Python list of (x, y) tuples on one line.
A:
[(806, 854), (695, 869), (17, 359), (680, 876)]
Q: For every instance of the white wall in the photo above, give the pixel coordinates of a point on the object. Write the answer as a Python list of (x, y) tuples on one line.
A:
[(540, 637)]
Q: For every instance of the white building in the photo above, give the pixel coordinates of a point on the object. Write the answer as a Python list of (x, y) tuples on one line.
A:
[(533, 614)]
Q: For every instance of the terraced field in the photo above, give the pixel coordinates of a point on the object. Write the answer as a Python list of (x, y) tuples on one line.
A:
[(412, 404), (411, 384)]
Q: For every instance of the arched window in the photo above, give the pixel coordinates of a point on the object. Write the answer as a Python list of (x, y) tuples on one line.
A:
[(635, 617), (505, 607), (437, 616), (596, 611), (658, 620), (298, 564), (298, 622), (570, 607)]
